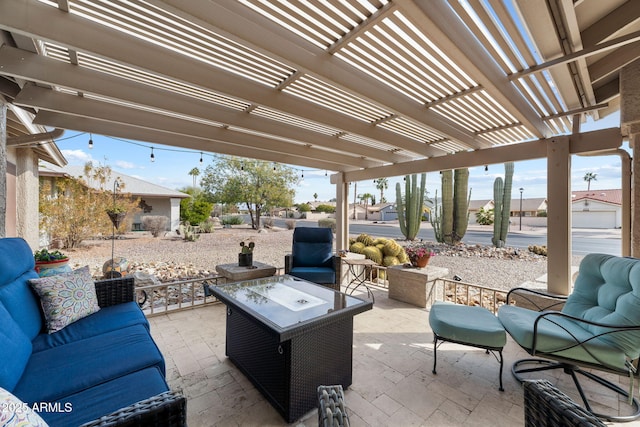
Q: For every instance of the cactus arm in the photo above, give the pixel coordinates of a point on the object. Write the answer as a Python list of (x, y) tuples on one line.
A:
[(506, 200), (435, 218), (447, 206), (461, 204), (400, 209), (498, 191)]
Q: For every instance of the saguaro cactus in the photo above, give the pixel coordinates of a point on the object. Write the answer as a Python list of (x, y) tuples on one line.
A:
[(410, 210), (450, 222), (502, 206)]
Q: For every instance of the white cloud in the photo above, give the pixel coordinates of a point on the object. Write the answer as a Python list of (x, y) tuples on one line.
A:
[(77, 156), (123, 164)]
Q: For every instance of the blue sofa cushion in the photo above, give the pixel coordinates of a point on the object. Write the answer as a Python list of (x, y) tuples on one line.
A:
[(312, 247), (22, 303), (80, 365), (16, 268), (315, 274), (15, 350), (107, 319), (105, 398)]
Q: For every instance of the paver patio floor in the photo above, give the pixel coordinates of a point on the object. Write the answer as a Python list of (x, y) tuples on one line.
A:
[(392, 380)]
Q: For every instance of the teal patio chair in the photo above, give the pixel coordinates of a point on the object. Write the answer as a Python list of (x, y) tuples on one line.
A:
[(598, 328)]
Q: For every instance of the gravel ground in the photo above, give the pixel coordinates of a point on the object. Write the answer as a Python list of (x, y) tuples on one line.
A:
[(170, 257)]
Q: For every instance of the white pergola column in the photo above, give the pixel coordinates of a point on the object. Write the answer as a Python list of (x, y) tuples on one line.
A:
[(342, 216), (559, 216), (3, 168), (630, 127), (27, 193)]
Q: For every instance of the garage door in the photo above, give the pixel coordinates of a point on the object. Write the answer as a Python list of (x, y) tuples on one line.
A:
[(594, 219)]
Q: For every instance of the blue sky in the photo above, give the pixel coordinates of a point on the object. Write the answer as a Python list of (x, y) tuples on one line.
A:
[(171, 168)]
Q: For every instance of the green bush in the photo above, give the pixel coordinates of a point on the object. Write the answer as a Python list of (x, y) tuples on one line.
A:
[(195, 209), (232, 220), (327, 223), (542, 214), (326, 209)]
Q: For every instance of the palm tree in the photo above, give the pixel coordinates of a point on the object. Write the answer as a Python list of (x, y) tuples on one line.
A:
[(365, 198), (381, 184), (194, 173), (590, 176)]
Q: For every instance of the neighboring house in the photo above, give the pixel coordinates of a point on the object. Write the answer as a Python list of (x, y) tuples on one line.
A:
[(383, 212), (530, 207), (474, 208), (154, 199), (356, 211), (597, 208)]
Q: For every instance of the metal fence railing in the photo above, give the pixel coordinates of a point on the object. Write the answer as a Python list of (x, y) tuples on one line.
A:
[(178, 295), (467, 294)]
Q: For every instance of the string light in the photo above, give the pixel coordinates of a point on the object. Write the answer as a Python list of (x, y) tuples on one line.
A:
[(201, 157), (302, 176), (90, 141), (242, 166), (274, 166), (486, 169), (153, 158)]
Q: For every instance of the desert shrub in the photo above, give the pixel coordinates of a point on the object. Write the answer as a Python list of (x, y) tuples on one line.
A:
[(155, 224), (268, 222), (484, 216), (541, 214), (291, 224), (206, 226), (304, 207), (196, 208), (326, 208), (327, 223), (232, 220)]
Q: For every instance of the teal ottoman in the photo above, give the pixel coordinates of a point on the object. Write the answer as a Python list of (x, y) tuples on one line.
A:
[(472, 326)]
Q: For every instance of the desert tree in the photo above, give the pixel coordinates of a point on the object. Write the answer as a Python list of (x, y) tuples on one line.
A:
[(257, 185)]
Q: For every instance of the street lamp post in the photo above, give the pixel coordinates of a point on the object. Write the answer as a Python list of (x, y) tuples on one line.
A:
[(521, 190)]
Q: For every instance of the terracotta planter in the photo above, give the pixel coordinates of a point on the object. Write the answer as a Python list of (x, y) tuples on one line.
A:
[(51, 268), (422, 262)]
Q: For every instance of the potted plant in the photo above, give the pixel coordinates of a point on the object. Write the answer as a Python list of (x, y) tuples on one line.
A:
[(116, 214), (245, 257), (419, 254), (49, 263)]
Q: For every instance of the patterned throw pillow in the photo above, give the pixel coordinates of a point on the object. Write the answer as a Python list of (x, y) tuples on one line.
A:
[(66, 297), (15, 413)]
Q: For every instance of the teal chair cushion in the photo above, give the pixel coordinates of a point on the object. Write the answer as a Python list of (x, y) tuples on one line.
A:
[(607, 290), (465, 324), (555, 335)]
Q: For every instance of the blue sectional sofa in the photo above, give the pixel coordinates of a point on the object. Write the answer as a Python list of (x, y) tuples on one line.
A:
[(94, 366)]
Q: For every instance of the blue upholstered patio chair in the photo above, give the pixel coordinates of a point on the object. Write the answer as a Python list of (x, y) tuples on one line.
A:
[(598, 328), (312, 257)]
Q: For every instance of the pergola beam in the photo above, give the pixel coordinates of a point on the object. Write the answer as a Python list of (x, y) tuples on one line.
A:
[(588, 142), (133, 133)]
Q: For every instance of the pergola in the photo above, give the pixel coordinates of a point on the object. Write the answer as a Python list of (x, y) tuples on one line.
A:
[(362, 88)]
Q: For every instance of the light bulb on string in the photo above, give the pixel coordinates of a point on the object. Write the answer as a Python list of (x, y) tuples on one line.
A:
[(486, 169), (325, 173), (90, 141), (152, 157), (242, 166), (201, 157), (302, 175), (274, 167)]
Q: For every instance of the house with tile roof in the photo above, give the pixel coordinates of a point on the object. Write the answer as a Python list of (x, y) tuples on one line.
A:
[(596, 208), (154, 199)]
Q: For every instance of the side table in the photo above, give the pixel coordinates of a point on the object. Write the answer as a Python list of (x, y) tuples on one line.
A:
[(359, 277), (235, 273), (411, 285)]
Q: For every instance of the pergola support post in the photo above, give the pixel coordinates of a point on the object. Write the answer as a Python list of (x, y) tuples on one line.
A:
[(342, 216), (630, 127), (559, 216)]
